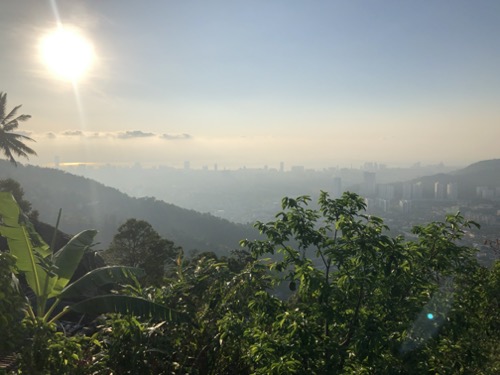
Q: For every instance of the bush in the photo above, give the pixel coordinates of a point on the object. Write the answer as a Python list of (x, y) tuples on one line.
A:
[(48, 351), (11, 305)]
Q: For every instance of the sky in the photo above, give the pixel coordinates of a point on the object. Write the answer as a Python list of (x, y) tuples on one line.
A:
[(257, 82)]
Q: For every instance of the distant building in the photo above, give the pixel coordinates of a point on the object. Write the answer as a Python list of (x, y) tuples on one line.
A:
[(336, 187), (439, 190), (383, 204), (405, 206), (485, 192), (370, 203), (452, 191), (282, 166), (297, 168), (386, 191), (407, 191), (412, 191), (187, 165), (369, 184), (417, 190)]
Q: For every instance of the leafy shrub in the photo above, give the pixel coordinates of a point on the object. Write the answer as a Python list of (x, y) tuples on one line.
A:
[(48, 351), (11, 305)]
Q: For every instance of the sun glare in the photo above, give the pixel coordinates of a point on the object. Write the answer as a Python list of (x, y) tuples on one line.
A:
[(67, 53)]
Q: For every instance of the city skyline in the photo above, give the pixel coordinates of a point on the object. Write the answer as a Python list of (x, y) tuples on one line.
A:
[(258, 83)]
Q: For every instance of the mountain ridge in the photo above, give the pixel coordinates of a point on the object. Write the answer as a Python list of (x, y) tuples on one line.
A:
[(89, 204), (481, 173)]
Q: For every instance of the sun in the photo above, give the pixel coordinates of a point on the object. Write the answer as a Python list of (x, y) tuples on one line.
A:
[(67, 53)]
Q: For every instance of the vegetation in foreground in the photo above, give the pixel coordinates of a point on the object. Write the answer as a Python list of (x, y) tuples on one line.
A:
[(326, 292)]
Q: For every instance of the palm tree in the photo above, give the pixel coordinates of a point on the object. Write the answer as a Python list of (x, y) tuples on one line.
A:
[(12, 143)]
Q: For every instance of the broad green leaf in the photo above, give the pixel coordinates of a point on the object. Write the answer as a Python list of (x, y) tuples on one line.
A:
[(88, 284), (21, 246), (68, 258), (125, 305)]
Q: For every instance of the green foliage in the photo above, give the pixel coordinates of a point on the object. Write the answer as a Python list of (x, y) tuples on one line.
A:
[(468, 341), (358, 301), (48, 274), (366, 295), (11, 305), (137, 244), (48, 351), (12, 186), (133, 347)]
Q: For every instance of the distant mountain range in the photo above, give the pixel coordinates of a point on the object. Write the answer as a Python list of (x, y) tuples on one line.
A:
[(483, 173), (88, 204)]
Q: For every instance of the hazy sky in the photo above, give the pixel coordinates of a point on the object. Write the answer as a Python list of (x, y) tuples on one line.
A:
[(255, 82)]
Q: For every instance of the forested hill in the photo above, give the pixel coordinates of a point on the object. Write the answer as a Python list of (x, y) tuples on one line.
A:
[(483, 173), (88, 204)]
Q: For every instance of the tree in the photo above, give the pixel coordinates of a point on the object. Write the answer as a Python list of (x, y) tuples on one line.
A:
[(12, 143), (49, 274), (137, 244), (13, 187), (363, 301), (49, 277)]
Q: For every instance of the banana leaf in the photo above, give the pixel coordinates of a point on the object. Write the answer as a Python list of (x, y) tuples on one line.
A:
[(89, 284), (68, 257), (19, 238)]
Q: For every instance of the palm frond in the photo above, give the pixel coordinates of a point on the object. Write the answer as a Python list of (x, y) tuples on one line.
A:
[(11, 143), (11, 115), (14, 123), (18, 147), (3, 104)]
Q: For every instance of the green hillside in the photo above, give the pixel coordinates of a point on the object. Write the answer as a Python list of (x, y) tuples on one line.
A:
[(88, 204)]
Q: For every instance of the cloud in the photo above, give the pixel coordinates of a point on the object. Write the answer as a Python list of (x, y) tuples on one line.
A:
[(134, 134), (171, 137), (96, 135), (73, 133), (126, 134)]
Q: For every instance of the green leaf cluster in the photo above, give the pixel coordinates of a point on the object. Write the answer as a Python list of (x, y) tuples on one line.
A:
[(327, 290)]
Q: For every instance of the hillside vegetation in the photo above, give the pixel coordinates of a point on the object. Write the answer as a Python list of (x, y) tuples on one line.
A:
[(89, 204), (359, 301)]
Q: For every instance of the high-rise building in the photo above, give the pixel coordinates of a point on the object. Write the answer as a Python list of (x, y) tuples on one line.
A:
[(417, 190), (485, 192), (452, 191), (405, 206), (439, 190), (407, 191), (386, 191), (369, 184), (336, 187), (383, 204)]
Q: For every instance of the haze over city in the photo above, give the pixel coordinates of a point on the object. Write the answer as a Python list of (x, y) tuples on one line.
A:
[(253, 83)]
